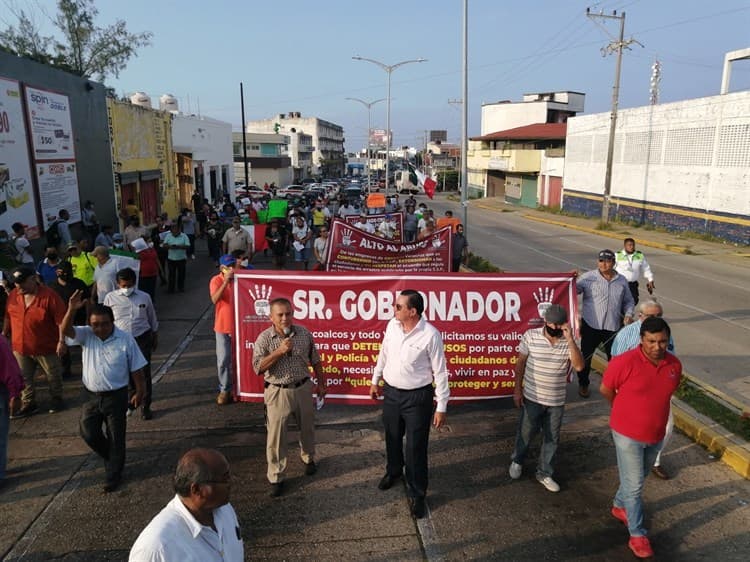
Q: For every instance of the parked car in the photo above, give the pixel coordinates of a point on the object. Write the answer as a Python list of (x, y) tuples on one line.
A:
[(252, 191), (290, 191)]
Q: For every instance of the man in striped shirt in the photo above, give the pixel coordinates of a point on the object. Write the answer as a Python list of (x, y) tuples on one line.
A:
[(607, 305), (545, 357)]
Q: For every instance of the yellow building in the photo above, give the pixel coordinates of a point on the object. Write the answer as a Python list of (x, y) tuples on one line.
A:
[(143, 160)]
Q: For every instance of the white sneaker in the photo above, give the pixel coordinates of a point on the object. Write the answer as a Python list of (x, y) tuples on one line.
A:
[(548, 483), (515, 470)]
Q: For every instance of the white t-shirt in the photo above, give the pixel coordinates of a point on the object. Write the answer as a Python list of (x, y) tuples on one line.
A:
[(175, 535), (22, 247)]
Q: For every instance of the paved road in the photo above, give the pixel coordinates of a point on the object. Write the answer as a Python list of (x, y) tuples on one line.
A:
[(706, 300), (52, 507)]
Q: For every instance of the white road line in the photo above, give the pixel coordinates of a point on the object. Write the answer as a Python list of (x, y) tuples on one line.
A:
[(59, 500), (663, 298), (49, 513), (715, 280), (175, 355), (428, 536)]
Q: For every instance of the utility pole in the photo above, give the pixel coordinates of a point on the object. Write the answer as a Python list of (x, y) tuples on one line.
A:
[(244, 137), (465, 120), (616, 45)]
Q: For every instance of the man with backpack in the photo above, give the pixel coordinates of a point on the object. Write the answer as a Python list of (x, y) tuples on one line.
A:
[(58, 232)]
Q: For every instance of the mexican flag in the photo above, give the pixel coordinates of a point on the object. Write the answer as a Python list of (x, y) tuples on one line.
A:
[(428, 184)]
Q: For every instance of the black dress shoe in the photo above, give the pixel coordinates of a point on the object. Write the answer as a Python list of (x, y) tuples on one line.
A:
[(310, 468), (146, 413), (111, 485), (387, 481), (417, 507), (276, 489)]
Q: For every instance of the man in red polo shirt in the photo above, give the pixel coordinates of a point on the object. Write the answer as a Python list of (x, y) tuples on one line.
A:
[(32, 320), (639, 385)]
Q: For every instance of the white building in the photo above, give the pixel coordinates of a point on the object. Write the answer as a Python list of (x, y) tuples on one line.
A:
[(682, 165), (519, 155), (546, 107), (204, 155), (327, 139), (267, 157)]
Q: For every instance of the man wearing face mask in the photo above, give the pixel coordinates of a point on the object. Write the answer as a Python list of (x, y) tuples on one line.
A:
[(135, 315), (47, 267), (65, 284), (545, 358)]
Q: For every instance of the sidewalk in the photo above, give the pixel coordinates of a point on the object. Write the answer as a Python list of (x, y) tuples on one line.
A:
[(52, 506)]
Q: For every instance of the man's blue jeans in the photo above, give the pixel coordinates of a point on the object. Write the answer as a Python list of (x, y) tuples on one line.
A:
[(4, 428), (224, 361), (534, 417), (634, 462)]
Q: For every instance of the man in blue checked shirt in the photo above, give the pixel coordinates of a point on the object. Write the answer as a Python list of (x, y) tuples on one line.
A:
[(607, 305)]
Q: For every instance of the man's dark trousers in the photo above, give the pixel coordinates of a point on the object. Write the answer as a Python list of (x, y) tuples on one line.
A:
[(107, 409), (591, 338), (176, 275), (409, 413), (145, 344)]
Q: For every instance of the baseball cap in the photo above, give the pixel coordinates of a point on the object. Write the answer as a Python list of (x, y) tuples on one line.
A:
[(117, 236), (227, 260), (607, 255), (556, 314), (71, 245), (21, 274)]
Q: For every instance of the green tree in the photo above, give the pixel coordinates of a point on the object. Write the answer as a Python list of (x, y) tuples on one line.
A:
[(85, 49)]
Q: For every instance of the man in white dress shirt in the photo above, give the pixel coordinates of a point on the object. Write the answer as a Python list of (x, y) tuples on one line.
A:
[(198, 524), (410, 358), (135, 314)]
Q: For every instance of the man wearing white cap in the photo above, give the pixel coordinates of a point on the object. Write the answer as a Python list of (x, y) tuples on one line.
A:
[(545, 357)]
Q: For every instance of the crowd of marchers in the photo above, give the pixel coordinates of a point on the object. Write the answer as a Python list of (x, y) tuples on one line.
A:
[(102, 305)]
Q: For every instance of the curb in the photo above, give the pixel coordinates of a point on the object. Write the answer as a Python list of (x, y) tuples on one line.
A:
[(730, 449)]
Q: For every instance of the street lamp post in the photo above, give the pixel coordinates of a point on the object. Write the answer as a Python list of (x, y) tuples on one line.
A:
[(369, 129), (389, 68)]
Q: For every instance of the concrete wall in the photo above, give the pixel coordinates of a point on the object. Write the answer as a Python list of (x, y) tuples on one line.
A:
[(88, 113), (503, 116), (142, 143), (683, 165)]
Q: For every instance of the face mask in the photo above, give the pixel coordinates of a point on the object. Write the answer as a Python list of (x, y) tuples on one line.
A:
[(118, 245), (127, 291), (244, 263), (52, 257), (554, 332)]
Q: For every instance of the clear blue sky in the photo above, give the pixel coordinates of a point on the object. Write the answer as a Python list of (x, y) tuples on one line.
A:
[(295, 55)]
